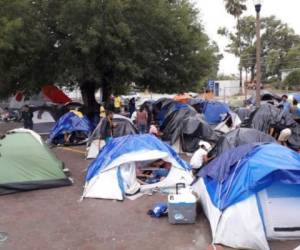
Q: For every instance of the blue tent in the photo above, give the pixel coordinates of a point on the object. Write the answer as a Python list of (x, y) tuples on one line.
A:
[(68, 123), (213, 110), (112, 174), (253, 193), (245, 170)]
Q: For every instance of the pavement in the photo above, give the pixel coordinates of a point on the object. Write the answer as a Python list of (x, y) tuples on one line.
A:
[(57, 219)]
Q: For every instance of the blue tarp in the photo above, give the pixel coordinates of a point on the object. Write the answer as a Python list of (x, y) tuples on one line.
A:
[(129, 144), (69, 123), (259, 167), (212, 110)]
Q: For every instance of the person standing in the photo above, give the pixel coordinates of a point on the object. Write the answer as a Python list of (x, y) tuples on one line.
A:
[(27, 116), (107, 127), (117, 104), (102, 112), (149, 117), (131, 106), (141, 120)]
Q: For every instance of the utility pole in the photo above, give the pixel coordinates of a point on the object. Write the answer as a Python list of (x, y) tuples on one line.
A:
[(257, 4)]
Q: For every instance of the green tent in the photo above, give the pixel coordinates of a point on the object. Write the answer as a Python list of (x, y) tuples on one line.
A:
[(26, 163)]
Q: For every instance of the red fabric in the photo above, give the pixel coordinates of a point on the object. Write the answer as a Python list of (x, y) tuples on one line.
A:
[(19, 96), (55, 95)]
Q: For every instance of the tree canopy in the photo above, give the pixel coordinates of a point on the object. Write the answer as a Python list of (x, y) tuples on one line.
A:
[(279, 45), (293, 80), (158, 44)]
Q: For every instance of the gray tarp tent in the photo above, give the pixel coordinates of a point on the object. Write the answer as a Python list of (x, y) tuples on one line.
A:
[(267, 116), (240, 137), (188, 126), (124, 126)]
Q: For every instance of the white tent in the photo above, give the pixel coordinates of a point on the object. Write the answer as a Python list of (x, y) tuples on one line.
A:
[(113, 174), (43, 121), (251, 194)]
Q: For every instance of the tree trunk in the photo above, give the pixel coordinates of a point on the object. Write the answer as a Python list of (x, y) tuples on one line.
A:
[(252, 71), (88, 89), (106, 91)]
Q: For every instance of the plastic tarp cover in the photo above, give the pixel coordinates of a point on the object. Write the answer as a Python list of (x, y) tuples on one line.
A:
[(235, 180), (124, 126), (189, 126), (163, 109), (214, 111), (240, 137), (243, 113), (267, 116), (55, 95), (68, 123), (194, 130), (294, 140)]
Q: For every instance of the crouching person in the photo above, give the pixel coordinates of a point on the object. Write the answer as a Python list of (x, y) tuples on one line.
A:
[(200, 157), (284, 136)]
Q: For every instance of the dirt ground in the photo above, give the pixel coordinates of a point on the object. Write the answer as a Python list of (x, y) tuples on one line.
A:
[(56, 219)]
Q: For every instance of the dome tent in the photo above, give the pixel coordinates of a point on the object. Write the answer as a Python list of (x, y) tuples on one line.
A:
[(124, 126), (27, 164), (113, 173), (251, 194), (43, 120), (68, 123)]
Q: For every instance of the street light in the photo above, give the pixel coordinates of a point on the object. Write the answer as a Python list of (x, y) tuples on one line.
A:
[(257, 5)]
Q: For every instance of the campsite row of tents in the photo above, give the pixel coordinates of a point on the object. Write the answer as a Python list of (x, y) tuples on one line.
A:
[(250, 192), (243, 192)]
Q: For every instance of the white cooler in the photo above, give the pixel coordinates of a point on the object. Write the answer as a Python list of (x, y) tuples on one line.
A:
[(182, 206)]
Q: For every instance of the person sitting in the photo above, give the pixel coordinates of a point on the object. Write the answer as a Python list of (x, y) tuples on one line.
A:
[(154, 130), (200, 157), (158, 171)]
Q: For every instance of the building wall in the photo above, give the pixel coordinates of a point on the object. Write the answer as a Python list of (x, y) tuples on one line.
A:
[(228, 87)]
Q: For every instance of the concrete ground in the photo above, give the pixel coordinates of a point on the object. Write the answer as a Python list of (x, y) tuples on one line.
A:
[(56, 219)]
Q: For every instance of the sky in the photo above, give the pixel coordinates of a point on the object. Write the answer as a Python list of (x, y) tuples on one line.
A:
[(214, 15)]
